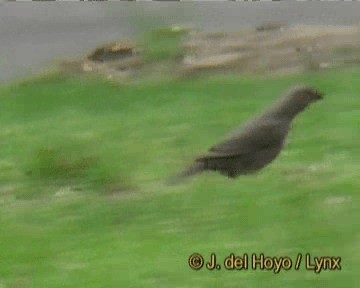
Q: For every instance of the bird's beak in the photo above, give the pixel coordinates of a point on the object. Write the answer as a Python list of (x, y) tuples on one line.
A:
[(319, 96)]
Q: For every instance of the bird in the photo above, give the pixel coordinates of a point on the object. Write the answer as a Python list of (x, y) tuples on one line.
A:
[(258, 142)]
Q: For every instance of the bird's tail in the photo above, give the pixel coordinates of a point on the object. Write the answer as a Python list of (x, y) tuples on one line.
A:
[(191, 171)]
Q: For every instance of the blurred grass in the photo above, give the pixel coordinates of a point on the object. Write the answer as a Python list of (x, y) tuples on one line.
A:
[(163, 44), (83, 201)]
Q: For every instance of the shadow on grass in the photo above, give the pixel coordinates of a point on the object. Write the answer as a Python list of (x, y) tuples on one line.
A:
[(71, 164)]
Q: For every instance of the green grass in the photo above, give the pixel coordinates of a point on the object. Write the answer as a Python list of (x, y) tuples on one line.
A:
[(163, 44), (83, 201)]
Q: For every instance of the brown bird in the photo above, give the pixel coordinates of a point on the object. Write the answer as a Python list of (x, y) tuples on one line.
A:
[(258, 142)]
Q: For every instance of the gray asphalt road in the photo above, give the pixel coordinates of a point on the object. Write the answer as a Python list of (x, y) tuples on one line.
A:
[(34, 35)]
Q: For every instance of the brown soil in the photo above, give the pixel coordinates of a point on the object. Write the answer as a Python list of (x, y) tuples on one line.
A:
[(271, 48)]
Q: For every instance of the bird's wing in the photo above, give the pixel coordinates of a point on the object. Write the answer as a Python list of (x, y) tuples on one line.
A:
[(255, 136)]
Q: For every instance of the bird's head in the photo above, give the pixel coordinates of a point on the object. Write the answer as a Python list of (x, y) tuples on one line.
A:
[(304, 96), (295, 101)]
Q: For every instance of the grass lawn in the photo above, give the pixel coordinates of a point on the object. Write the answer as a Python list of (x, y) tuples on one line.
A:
[(83, 199)]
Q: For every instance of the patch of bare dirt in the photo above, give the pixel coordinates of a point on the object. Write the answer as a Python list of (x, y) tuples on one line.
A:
[(271, 48)]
